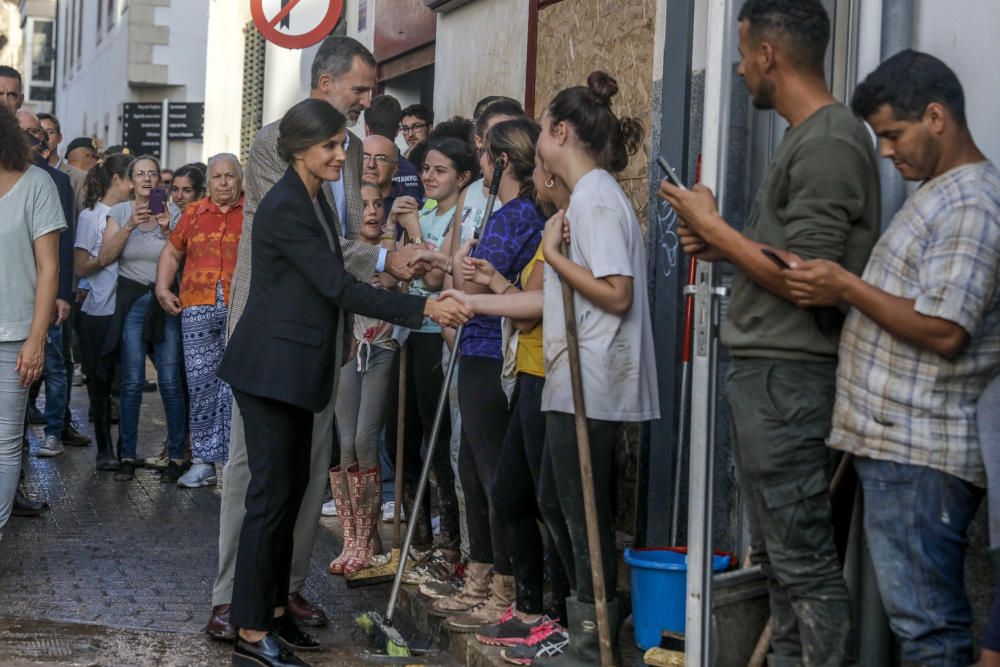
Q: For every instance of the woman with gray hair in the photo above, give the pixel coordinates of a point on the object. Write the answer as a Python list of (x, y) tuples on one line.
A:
[(206, 240)]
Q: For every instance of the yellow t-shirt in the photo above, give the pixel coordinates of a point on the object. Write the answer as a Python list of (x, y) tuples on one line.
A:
[(530, 358)]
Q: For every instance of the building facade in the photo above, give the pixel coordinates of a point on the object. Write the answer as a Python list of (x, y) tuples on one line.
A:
[(113, 52), (38, 53)]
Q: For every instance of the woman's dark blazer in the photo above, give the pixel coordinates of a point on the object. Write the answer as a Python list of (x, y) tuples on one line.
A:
[(283, 347)]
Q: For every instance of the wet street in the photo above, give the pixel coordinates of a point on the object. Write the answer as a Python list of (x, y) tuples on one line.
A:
[(120, 573)]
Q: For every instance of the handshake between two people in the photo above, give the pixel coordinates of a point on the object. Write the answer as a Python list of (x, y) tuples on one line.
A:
[(447, 311)]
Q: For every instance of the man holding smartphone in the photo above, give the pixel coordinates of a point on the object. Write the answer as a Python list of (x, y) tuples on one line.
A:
[(820, 199), (921, 342)]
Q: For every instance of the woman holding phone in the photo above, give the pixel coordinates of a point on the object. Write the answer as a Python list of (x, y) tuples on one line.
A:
[(281, 362), (135, 235)]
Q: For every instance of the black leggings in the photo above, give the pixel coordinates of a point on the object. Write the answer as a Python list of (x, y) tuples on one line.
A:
[(424, 379), (98, 370), (483, 406), (560, 442), (515, 501)]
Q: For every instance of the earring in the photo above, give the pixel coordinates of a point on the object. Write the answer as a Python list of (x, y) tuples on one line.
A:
[(549, 183)]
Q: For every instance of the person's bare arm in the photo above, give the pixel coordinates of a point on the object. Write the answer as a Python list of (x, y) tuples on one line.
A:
[(516, 305), (116, 236), (166, 271), (825, 283), (612, 294), (31, 356), (84, 264)]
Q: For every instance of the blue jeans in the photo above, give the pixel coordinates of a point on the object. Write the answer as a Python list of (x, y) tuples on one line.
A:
[(167, 357), (55, 382), (916, 520), (13, 401)]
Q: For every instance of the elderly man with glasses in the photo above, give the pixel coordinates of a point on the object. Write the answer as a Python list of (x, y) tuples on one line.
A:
[(380, 162)]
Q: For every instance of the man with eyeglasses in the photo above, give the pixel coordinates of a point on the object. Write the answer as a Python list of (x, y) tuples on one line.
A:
[(415, 124), (383, 118), (380, 160)]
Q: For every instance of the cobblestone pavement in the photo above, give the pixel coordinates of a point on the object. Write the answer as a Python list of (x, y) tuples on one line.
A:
[(120, 573)]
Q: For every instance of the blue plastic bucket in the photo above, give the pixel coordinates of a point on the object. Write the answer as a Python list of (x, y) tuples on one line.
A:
[(659, 591)]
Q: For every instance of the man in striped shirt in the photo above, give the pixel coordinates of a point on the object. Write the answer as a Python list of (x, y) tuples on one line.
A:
[(921, 341)]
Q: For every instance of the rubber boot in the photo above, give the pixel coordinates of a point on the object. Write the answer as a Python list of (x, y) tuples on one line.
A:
[(584, 647), (106, 457), (341, 486), (366, 495)]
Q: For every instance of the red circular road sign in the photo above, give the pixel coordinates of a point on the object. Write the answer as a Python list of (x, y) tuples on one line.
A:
[(278, 28)]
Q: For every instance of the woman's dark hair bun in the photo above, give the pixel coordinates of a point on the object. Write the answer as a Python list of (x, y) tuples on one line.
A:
[(633, 133), (602, 87)]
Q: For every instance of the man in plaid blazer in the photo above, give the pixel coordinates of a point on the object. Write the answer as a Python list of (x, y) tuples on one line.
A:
[(343, 74)]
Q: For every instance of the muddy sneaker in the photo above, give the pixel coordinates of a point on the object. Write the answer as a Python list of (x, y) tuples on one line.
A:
[(435, 590), (51, 447), (549, 640), (510, 631), (496, 608), (436, 565), (474, 591)]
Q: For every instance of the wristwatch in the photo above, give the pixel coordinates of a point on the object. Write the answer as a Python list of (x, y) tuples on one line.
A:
[(417, 239)]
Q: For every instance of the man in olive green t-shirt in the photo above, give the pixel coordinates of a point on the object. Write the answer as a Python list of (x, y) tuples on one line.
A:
[(820, 199)]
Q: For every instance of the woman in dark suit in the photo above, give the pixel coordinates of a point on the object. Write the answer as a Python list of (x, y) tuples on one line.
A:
[(281, 360)]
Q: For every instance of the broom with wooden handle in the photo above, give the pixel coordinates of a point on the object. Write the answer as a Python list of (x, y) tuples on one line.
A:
[(586, 472)]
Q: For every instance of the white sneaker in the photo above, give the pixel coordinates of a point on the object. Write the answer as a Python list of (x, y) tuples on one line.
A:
[(198, 475), (389, 510), (329, 508), (51, 447)]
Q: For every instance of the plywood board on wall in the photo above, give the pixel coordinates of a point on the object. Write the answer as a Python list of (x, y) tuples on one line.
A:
[(576, 37)]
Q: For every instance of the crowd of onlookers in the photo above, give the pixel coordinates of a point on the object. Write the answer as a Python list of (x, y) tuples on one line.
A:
[(300, 318), (414, 222)]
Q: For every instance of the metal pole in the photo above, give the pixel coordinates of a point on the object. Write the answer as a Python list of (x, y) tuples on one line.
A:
[(164, 141), (667, 265), (897, 35), (697, 641)]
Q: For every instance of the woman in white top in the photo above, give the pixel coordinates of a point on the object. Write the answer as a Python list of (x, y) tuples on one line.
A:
[(136, 233), (31, 219), (606, 267), (107, 184)]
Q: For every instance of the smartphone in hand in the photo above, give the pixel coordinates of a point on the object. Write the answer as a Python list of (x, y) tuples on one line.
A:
[(773, 256), (157, 201), (668, 172)]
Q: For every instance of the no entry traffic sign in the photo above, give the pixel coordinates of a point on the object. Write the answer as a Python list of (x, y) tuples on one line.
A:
[(295, 24)]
